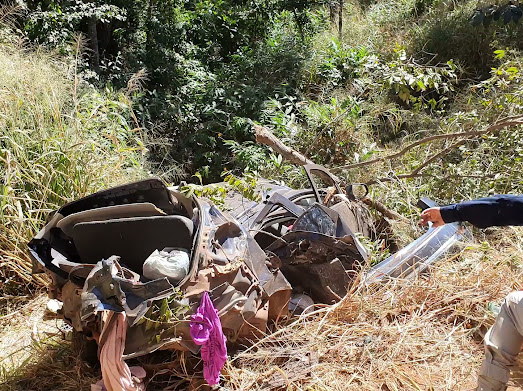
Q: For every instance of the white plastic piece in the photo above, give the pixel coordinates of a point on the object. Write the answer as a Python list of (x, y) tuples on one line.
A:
[(54, 306), (170, 263)]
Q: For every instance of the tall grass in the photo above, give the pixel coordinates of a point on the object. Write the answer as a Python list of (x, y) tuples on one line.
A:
[(60, 139)]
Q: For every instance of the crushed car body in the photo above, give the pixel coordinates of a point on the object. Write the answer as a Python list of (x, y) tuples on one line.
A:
[(151, 252), (94, 250)]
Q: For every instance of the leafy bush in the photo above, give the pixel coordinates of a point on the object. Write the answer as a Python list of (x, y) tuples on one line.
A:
[(423, 87), (57, 25), (335, 65)]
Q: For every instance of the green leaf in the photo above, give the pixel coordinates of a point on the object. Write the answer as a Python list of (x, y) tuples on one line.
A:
[(199, 176), (499, 54), (164, 307)]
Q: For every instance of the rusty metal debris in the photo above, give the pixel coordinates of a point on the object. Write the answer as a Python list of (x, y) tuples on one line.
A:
[(256, 258)]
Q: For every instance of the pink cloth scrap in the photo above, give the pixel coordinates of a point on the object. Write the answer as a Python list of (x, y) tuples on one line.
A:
[(116, 375), (206, 330), (137, 372)]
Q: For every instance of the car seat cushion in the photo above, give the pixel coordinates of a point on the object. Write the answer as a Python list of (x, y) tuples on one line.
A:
[(132, 239)]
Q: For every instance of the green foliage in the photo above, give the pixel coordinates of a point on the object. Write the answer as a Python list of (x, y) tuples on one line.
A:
[(246, 185), (211, 65), (337, 64), (376, 249), (248, 155), (58, 23), (485, 165), (164, 314), (214, 193), (398, 71), (280, 113), (423, 87), (449, 34)]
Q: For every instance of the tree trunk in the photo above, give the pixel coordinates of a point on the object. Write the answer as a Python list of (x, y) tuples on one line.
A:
[(340, 19), (333, 10), (93, 44)]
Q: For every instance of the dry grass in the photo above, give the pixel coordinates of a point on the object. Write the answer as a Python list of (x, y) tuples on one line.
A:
[(60, 139), (407, 335), (33, 355)]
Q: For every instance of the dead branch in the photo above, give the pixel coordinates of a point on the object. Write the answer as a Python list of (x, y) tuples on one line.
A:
[(509, 121), (424, 175), (494, 128), (264, 136), (437, 156), (383, 209)]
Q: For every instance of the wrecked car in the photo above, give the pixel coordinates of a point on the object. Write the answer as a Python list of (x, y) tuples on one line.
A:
[(151, 252)]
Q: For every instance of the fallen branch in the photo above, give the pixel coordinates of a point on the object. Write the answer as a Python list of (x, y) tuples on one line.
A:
[(424, 175), (510, 121), (499, 125), (264, 136), (437, 156), (383, 209)]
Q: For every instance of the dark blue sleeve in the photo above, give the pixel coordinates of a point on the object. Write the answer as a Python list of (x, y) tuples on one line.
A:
[(486, 212)]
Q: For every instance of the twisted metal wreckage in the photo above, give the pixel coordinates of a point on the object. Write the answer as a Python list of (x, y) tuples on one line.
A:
[(258, 261)]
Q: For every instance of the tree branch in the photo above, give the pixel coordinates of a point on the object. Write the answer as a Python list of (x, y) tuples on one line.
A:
[(264, 136), (423, 175), (437, 156), (496, 127), (383, 209)]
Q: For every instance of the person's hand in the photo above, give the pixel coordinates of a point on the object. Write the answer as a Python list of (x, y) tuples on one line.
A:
[(433, 215)]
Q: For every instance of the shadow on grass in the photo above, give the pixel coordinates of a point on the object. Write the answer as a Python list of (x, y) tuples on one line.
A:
[(452, 36)]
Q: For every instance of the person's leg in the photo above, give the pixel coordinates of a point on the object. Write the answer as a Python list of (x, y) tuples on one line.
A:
[(502, 344)]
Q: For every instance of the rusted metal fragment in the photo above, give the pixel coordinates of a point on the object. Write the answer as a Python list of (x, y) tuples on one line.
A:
[(106, 289), (312, 262)]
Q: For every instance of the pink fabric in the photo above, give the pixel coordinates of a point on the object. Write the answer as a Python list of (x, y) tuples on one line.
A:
[(116, 375), (206, 330), (137, 372)]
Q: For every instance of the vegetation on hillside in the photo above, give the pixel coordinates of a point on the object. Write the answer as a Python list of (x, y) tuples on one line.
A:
[(60, 139), (398, 69), (403, 97)]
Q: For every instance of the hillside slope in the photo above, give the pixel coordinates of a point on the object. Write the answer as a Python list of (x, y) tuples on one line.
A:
[(402, 71)]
